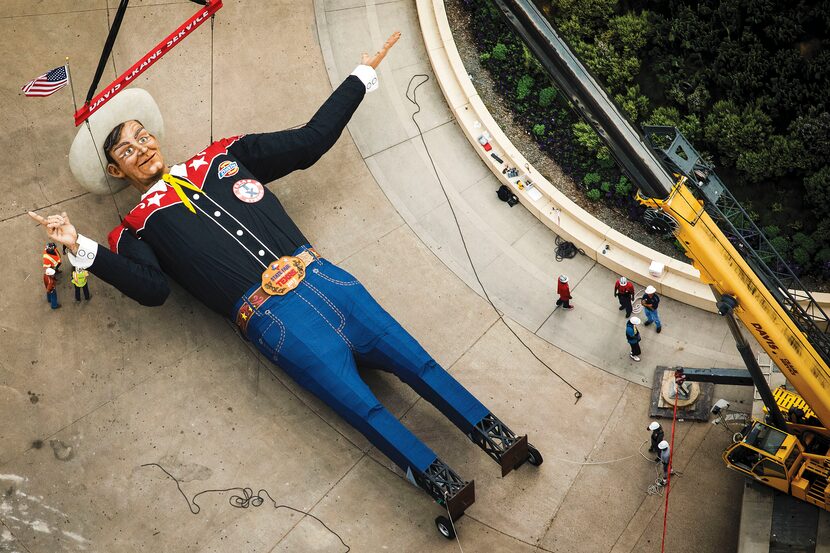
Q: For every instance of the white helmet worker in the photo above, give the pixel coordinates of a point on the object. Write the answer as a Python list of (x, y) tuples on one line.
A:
[(623, 281), (634, 320), (650, 289), (663, 445), (654, 425), (563, 278)]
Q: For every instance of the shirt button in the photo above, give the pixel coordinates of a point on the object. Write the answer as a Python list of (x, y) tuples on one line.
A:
[(261, 253), (195, 196), (239, 233), (217, 213)]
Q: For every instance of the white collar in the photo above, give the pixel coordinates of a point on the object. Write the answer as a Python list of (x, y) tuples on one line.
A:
[(176, 170)]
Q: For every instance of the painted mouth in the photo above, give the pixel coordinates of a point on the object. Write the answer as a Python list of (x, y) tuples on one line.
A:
[(146, 160)]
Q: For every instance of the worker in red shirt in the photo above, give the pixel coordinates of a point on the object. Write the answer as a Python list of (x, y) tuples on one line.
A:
[(51, 257), (49, 282), (564, 291), (624, 291)]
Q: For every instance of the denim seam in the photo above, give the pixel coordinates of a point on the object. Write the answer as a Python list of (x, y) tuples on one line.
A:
[(330, 304), (334, 280), (342, 336)]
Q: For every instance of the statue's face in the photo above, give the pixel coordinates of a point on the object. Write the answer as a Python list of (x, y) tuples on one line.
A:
[(137, 156)]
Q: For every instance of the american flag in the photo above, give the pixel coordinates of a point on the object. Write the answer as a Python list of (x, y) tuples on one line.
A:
[(48, 83)]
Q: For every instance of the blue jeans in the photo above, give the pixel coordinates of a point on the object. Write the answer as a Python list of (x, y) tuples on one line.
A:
[(652, 316), (322, 330), (52, 298)]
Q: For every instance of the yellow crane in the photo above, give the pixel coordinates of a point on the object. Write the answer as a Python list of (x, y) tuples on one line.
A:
[(789, 450)]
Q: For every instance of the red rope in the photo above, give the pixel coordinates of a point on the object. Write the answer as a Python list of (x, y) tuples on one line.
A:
[(668, 476)]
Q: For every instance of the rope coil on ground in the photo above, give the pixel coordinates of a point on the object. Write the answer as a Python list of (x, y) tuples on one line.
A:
[(566, 250)]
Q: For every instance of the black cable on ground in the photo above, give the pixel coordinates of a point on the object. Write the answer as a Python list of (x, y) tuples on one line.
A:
[(243, 501), (413, 100), (566, 250)]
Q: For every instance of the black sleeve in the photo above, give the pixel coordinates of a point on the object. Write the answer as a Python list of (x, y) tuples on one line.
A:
[(270, 156), (134, 270)]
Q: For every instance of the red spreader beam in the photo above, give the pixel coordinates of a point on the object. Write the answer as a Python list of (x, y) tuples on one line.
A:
[(146, 61)]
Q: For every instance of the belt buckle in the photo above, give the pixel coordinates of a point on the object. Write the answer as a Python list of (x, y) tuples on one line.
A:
[(283, 275)]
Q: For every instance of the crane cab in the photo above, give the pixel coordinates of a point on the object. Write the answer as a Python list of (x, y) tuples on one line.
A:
[(768, 455)]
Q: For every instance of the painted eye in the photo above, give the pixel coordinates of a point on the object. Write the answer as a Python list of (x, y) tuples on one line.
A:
[(143, 139)]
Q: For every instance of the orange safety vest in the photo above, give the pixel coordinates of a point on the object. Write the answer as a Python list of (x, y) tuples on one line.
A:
[(51, 259)]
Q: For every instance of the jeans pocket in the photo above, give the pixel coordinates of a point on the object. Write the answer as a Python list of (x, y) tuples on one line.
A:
[(334, 274), (272, 338)]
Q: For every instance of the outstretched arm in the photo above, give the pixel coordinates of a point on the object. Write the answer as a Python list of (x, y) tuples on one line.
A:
[(270, 156), (133, 268)]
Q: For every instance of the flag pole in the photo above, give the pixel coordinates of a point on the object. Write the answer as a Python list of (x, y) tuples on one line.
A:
[(71, 86)]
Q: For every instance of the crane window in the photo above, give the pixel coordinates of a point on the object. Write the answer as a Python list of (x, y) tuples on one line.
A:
[(744, 457), (769, 468), (766, 438)]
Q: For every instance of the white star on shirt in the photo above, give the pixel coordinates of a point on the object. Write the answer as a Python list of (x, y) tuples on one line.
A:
[(155, 199), (196, 163)]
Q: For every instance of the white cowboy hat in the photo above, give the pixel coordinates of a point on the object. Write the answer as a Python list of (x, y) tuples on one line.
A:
[(86, 155), (654, 425), (563, 278), (634, 320), (650, 289)]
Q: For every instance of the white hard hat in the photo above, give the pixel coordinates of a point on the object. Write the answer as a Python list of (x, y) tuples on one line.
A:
[(623, 281), (563, 278), (654, 425), (663, 445), (634, 320), (50, 271), (650, 289), (86, 155)]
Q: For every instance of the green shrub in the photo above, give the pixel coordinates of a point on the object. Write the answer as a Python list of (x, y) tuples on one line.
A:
[(484, 57), (781, 245), (818, 191), (539, 130), (823, 255), (801, 256), (586, 136), (623, 187), (606, 187), (771, 231), (591, 179), (499, 52), (594, 194), (546, 96), (524, 87), (802, 240)]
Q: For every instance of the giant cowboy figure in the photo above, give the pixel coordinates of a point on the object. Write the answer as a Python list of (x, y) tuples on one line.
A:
[(212, 226)]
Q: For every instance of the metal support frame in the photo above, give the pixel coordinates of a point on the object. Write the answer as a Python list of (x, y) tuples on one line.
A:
[(745, 236), (447, 488), (500, 443), (732, 377)]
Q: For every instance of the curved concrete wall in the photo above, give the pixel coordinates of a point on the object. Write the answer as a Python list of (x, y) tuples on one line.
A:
[(607, 246)]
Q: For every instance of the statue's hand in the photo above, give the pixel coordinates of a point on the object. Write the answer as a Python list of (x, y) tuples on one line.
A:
[(59, 229), (374, 61)]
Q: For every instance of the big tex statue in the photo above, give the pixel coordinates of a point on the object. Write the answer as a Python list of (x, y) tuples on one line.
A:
[(212, 225)]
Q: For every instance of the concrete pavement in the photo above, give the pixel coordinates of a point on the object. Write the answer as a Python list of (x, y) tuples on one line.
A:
[(90, 393)]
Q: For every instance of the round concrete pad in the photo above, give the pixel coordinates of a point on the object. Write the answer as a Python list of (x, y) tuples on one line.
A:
[(85, 160)]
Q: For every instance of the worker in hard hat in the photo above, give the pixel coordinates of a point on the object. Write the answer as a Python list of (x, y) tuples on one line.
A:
[(656, 436), (564, 291), (665, 458), (650, 303), (624, 292), (632, 335), (80, 281), (50, 283), (51, 257)]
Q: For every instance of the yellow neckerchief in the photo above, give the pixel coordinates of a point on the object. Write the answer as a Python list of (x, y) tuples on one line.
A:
[(176, 184)]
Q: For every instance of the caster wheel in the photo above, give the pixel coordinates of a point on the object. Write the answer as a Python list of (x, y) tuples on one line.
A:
[(533, 456), (445, 527)]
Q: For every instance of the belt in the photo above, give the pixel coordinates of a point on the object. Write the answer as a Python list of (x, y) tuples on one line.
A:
[(259, 296)]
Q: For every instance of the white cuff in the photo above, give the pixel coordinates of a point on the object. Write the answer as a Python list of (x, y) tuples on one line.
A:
[(87, 250), (368, 76)]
